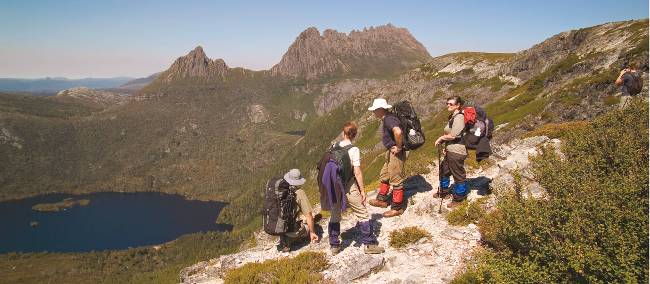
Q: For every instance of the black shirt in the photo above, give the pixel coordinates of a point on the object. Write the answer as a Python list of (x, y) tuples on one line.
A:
[(390, 122)]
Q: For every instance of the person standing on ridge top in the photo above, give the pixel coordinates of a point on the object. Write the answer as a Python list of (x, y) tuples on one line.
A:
[(392, 173), (354, 196), (455, 153)]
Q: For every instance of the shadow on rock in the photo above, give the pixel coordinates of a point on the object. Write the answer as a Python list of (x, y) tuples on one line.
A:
[(352, 236), (480, 184)]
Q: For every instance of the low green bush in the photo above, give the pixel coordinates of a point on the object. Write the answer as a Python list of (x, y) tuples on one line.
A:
[(467, 212), (304, 268), (557, 130), (592, 227), (408, 235)]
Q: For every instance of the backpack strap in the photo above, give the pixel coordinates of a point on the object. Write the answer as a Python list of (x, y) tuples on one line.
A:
[(458, 140), (347, 147)]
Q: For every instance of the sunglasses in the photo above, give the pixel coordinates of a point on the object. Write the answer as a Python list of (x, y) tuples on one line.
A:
[(450, 104)]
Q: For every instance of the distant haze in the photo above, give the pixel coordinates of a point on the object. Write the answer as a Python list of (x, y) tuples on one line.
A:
[(80, 39), (53, 85)]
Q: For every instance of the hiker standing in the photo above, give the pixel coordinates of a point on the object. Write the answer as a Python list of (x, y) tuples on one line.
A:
[(453, 163), (392, 173), (630, 82), (292, 180), (355, 197)]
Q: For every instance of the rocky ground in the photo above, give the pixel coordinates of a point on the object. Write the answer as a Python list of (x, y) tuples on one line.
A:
[(430, 260)]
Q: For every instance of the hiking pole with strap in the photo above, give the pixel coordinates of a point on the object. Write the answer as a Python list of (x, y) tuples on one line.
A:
[(439, 189)]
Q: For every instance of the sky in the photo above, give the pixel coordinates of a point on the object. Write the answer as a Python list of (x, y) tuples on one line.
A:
[(79, 39)]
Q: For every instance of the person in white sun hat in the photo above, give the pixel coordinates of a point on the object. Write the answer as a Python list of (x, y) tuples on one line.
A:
[(392, 173), (293, 180)]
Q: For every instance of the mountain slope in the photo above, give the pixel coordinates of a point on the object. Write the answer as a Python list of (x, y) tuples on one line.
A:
[(212, 132)]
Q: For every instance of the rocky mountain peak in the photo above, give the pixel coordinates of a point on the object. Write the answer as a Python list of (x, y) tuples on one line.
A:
[(195, 64), (311, 32), (373, 50)]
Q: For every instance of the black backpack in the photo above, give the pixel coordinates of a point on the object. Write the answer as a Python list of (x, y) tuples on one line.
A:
[(341, 158), (635, 85), (410, 124), (280, 207), (344, 168)]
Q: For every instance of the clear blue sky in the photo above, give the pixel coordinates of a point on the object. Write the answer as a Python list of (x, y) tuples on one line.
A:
[(136, 38)]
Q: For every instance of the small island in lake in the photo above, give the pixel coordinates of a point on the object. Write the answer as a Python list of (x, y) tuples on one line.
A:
[(61, 205)]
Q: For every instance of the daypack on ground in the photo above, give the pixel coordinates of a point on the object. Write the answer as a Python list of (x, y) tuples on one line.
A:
[(280, 207), (410, 124), (343, 166), (635, 85)]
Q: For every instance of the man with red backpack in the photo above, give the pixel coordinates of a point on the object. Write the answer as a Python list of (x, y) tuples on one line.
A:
[(392, 173), (455, 154)]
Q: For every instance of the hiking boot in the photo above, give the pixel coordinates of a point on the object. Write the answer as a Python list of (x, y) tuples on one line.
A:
[(284, 245), (393, 213), (373, 249), (378, 203), (335, 250)]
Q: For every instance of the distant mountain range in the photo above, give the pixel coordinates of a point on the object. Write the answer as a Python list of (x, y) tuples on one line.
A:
[(50, 86)]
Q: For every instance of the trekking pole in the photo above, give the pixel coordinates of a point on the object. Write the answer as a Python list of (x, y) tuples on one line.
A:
[(439, 189)]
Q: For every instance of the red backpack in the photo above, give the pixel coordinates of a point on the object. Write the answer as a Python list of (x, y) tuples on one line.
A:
[(470, 115)]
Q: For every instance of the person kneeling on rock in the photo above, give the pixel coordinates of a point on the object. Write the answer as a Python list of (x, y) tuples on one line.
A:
[(287, 209)]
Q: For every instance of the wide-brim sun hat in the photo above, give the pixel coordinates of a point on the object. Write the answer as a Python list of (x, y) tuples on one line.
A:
[(379, 103), (293, 177)]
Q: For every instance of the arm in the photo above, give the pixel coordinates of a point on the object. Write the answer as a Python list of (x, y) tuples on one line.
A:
[(359, 176), (310, 225), (619, 80), (397, 133)]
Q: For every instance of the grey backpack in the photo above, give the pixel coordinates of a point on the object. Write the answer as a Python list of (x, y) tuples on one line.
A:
[(635, 85), (280, 208)]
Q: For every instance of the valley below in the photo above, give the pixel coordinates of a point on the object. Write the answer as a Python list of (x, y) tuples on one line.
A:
[(175, 172)]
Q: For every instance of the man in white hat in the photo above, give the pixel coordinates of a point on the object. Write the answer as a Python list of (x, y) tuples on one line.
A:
[(392, 173), (293, 180)]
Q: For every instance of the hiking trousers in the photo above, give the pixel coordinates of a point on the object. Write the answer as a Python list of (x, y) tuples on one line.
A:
[(453, 165), (357, 209), (393, 170)]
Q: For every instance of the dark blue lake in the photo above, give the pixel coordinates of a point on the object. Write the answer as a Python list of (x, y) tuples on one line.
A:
[(111, 221)]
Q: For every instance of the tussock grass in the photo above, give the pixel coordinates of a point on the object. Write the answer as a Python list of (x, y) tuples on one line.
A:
[(405, 236), (304, 268)]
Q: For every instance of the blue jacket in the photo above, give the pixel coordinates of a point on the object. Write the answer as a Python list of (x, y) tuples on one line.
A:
[(334, 187)]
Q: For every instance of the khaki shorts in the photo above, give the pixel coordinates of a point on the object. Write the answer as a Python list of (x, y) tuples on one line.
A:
[(393, 169)]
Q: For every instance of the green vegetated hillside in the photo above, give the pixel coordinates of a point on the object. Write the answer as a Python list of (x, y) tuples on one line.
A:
[(592, 228), (220, 137)]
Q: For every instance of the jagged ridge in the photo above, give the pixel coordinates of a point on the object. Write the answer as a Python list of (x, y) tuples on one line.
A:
[(313, 55)]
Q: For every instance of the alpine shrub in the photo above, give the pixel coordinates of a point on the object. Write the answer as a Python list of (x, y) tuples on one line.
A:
[(593, 224)]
